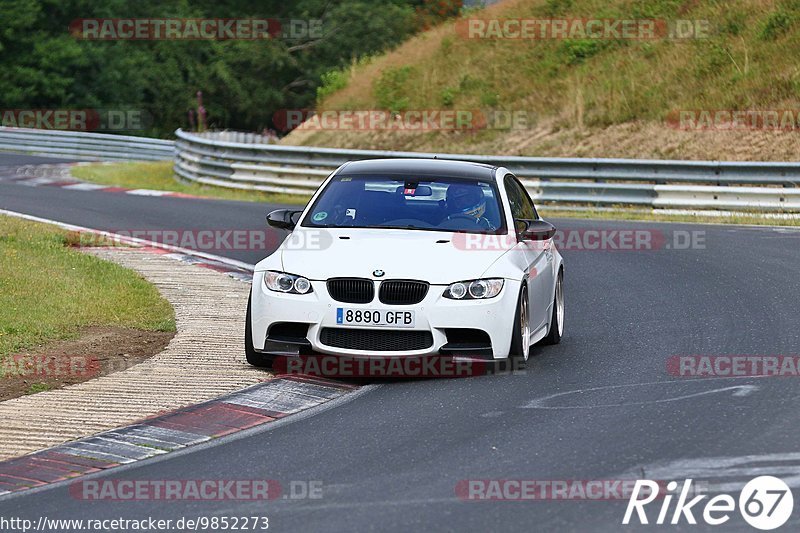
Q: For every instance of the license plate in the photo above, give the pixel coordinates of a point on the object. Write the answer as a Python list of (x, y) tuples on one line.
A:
[(376, 317)]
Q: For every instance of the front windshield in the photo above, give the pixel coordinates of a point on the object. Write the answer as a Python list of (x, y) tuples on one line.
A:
[(420, 203)]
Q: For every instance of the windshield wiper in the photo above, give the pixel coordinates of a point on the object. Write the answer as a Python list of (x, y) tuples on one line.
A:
[(409, 226)]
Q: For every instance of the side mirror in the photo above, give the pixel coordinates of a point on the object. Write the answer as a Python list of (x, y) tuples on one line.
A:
[(283, 218), (535, 230)]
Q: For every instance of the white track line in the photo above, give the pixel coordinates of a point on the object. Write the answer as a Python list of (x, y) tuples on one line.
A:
[(133, 240)]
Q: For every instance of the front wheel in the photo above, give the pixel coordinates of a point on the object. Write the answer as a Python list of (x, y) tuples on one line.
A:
[(557, 319), (521, 337), (253, 357)]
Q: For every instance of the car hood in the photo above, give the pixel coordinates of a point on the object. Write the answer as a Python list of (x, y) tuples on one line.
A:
[(430, 256)]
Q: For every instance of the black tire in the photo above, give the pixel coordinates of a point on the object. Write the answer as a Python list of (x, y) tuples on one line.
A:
[(554, 335), (517, 355), (254, 358)]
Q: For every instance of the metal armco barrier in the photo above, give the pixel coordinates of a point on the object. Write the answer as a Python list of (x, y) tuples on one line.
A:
[(244, 161), (247, 161), (85, 146)]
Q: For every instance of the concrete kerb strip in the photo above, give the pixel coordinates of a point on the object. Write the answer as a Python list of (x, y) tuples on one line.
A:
[(203, 361), (188, 426)]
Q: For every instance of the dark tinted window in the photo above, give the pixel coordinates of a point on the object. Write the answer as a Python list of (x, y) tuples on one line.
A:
[(425, 203), (521, 204)]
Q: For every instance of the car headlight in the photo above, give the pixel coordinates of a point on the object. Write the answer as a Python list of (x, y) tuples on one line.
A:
[(478, 289), (287, 283)]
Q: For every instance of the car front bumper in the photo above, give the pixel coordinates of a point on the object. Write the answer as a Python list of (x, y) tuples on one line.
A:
[(435, 314)]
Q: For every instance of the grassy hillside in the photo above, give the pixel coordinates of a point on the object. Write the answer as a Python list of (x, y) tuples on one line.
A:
[(588, 97)]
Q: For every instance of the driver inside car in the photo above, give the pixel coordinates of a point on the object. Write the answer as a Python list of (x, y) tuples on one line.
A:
[(466, 202)]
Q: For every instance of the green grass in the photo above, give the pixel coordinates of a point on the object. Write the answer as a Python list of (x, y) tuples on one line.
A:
[(49, 291), (38, 387), (159, 176)]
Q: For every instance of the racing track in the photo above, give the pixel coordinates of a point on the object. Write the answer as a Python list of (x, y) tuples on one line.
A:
[(390, 459)]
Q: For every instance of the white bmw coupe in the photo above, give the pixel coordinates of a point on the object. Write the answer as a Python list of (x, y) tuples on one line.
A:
[(409, 257)]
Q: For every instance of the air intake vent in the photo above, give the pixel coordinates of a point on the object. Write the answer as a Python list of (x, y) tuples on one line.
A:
[(351, 290), (399, 292), (376, 340)]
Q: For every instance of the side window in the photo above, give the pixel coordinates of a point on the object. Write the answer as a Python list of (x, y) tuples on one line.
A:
[(521, 204), (526, 199)]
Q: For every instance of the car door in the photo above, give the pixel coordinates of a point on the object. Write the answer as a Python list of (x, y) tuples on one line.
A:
[(538, 255)]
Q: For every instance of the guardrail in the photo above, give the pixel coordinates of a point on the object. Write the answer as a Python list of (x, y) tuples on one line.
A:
[(246, 161), (85, 146)]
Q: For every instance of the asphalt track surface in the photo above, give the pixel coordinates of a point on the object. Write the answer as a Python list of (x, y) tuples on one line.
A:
[(390, 458)]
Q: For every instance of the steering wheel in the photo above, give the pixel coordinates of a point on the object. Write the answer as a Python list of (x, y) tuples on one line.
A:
[(480, 222), (465, 216)]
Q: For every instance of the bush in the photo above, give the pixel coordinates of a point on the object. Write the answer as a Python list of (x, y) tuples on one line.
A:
[(448, 96), (577, 51), (390, 89), (330, 82), (776, 25)]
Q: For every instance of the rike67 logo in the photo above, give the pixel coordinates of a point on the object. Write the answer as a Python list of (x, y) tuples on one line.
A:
[(765, 503)]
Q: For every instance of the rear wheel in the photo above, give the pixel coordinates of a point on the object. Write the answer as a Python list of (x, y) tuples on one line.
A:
[(253, 357), (557, 319), (521, 337)]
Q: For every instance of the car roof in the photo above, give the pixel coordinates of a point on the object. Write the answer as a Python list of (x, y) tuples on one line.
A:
[(420, 167)]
